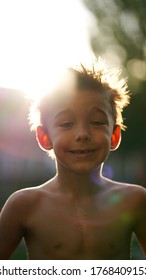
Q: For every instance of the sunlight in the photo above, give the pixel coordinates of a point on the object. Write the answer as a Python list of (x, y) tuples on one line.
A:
[(39, 39)]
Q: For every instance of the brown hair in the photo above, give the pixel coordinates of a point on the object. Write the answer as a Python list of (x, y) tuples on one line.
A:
[(97, 77)]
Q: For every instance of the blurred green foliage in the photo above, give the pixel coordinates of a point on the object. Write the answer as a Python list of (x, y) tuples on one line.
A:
[(21, 252), (119, 34)]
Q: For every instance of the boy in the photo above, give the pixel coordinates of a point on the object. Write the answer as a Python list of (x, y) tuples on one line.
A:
[(79, 214)]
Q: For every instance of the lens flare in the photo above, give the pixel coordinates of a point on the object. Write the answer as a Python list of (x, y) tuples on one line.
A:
[(39, 40)]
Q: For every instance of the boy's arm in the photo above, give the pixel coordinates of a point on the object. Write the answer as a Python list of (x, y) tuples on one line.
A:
[(11, 225), (140, 227)]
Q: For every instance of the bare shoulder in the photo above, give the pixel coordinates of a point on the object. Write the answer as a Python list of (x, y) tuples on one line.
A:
[(25, 200), (138, 195), (21, 198), (125, 187), (134, 195)]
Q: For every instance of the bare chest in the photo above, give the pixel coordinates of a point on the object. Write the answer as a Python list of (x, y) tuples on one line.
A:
[(75, 232)]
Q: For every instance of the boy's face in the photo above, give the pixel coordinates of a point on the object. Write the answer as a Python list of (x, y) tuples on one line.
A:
[(80, 128)]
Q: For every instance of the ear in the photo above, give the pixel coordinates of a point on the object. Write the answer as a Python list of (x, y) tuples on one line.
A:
[(43, 138), (116, 138)]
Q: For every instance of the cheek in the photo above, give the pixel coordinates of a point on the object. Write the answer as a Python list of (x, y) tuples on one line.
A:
[(60, 142), (106, 143), (104, 137)]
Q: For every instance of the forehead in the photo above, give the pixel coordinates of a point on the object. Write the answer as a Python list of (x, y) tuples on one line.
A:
[(79, 100)]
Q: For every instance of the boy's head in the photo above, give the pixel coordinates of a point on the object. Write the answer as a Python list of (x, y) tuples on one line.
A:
[(97, 79)]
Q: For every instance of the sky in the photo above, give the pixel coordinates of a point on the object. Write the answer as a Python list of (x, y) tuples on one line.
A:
[(40, 37)]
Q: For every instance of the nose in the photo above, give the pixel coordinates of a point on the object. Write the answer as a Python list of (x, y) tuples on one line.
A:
[(82, 134)]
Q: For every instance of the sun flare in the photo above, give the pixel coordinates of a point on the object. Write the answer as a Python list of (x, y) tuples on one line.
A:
[(38, 40)]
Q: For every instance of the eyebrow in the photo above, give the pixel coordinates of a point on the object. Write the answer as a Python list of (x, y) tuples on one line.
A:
[(66, 111), (93, 109), (98, 110)]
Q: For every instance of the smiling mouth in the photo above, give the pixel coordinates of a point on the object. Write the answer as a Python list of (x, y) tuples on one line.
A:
[(82, 152)]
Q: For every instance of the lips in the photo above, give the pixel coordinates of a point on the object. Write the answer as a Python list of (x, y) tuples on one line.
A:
[(83, 153)]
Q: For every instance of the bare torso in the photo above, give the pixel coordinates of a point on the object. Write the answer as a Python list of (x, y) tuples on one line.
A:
[(98, 226)]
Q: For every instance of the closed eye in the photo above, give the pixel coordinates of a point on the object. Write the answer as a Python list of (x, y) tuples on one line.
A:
[(66, 124), (97, 123)]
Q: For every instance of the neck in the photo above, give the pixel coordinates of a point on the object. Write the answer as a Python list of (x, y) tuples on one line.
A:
[(78, 184)]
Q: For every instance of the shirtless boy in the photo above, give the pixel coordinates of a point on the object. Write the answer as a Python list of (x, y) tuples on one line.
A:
[(79, 214)]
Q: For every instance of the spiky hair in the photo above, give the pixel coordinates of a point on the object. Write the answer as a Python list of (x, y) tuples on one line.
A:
[(96, 77)]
